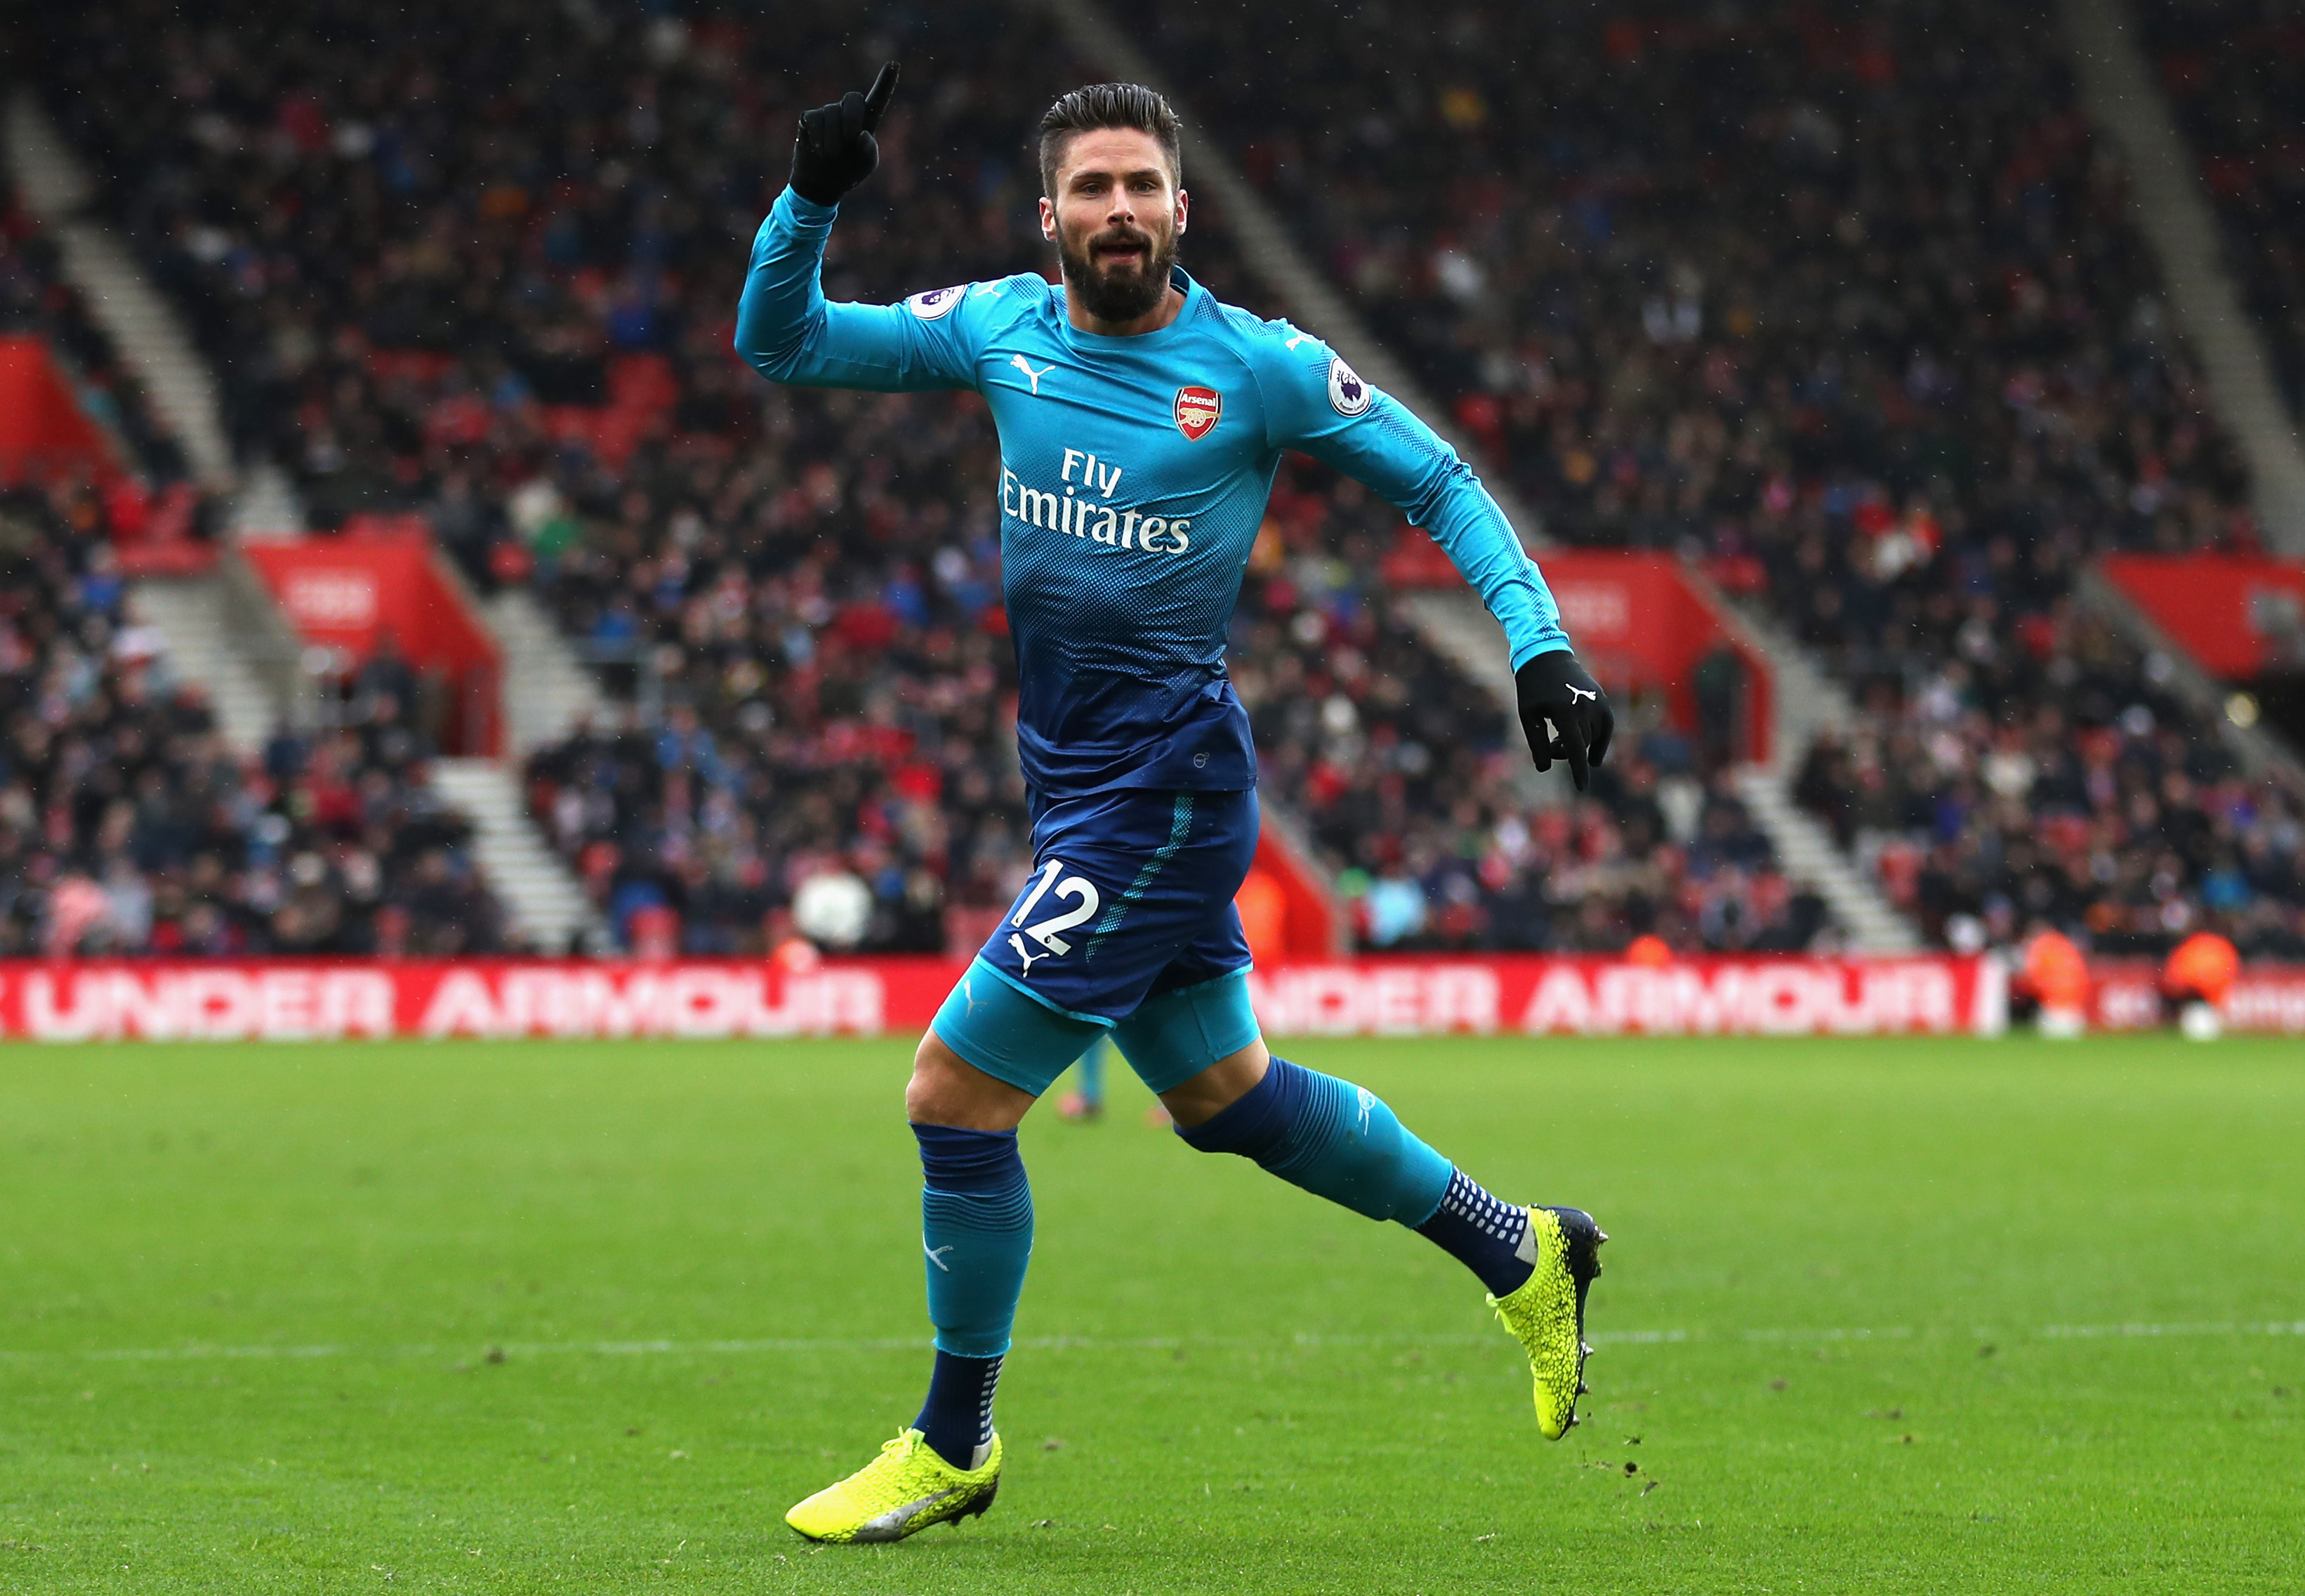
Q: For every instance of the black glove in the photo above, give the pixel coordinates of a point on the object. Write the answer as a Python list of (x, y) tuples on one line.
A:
[(1553, 687), (836, 150)]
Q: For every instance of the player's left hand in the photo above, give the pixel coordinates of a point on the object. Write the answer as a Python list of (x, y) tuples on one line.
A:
[(836, 150), (1554, 687)]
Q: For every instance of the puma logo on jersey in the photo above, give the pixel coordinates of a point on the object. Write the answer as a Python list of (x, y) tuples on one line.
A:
[(1291, 345), (1577, 693), (1026, 366)]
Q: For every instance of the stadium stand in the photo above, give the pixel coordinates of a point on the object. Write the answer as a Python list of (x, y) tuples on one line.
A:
[(2235, 76), (494, 282), (1840, 302), (2100, 811), (1415, 801), (127, 825)]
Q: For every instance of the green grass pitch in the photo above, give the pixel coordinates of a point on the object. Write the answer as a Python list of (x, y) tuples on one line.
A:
[(1894, 1315)]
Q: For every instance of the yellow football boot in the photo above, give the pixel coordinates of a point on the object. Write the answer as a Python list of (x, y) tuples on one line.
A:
[(908, 1488), (1547, 1311)]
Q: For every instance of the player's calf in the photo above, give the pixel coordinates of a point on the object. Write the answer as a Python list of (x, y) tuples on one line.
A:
[(1332, 1138), (1341, 1142)]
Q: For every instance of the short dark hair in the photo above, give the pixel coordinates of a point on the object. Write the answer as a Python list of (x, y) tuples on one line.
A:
[(1109, 104)]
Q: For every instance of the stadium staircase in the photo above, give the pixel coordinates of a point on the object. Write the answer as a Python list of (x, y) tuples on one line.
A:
[(536, 888), (210, 636), (189, 613), (1803, 702), (1455, 624), (56, 190), (548, 692), (2123, 95), (152, 339)]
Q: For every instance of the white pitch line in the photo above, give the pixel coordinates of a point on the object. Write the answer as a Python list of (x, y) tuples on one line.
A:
[(2081, 1332), (797, 1344)]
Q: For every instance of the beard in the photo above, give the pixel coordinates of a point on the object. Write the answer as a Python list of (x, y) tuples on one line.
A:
[(1124, 291)]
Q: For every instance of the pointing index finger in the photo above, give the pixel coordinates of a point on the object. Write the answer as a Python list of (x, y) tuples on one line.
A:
[(1572, 738), (876, 99)]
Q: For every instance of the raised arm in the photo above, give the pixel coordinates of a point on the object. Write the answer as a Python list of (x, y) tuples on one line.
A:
[(785, 329), (1316, 403)]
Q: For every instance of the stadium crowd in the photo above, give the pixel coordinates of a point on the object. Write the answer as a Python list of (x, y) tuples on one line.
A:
[(127, 826), (1416, 803), (2234, 72), (494, 282), (2100, 811), (1841, 302)]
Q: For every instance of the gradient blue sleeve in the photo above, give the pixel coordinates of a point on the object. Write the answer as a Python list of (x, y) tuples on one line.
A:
[(1374, 439), (787, 332)]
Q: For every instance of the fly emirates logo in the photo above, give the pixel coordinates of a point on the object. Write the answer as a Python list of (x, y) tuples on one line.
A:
[(1081, 504)]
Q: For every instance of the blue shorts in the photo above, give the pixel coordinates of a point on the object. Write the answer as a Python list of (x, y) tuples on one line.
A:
[(1126, 924)]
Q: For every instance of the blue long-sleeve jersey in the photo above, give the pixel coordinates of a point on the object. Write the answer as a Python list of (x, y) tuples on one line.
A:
[(1134, 476)]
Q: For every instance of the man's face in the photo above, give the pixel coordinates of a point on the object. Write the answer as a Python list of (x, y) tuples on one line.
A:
[(1115, 217)]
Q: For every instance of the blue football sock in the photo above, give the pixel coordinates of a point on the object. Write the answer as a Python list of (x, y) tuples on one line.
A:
[(957, 1419), (976, 1228), (1332, 1138), (1485, 1234)]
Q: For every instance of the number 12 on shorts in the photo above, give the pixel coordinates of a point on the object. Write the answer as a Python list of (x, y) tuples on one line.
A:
[(1078, 891)]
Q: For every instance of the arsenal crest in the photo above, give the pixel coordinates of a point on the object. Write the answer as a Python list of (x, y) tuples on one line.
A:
[(1197, 410)]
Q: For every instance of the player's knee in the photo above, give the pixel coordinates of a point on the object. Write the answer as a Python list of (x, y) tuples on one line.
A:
[(946, 1090), (931, 1085), (1202, 1097)]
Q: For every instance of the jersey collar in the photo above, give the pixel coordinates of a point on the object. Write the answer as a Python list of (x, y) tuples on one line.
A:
[(1085, 339)]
